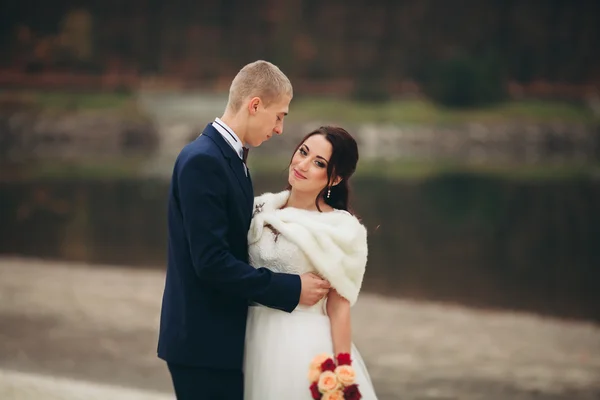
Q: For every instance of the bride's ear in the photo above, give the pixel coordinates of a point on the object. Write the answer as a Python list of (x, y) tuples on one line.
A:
[(336, 181)]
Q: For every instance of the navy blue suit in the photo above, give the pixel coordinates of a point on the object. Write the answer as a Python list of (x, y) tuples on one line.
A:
[(209, 282)]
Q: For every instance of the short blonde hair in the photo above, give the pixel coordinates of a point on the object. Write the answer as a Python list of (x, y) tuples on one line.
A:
[(261, 79)]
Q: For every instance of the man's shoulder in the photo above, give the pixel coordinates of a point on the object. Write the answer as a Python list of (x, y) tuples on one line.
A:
[(201, 149), (204, 142)]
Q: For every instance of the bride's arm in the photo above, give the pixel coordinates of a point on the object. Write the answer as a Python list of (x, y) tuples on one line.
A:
[(338, 310)]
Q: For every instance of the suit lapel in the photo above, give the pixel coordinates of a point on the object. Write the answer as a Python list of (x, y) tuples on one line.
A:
[(251, 190), (234, 161), (238, 169)]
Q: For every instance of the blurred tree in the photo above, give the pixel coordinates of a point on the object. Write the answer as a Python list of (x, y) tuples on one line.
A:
[(467, 81), (284, 17), (76, 34), (390, 41)]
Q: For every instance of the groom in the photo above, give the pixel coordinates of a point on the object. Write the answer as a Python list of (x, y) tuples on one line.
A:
[(209, 281)]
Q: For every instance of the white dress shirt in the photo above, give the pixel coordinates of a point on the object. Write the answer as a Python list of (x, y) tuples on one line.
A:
[(231, 138)]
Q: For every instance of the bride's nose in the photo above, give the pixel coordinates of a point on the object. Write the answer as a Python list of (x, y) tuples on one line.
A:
[(303, 165)]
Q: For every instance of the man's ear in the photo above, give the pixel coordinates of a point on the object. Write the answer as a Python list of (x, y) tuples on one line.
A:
[(253, 105)]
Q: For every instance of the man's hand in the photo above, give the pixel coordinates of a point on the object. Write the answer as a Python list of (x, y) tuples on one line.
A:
[(314, 288)]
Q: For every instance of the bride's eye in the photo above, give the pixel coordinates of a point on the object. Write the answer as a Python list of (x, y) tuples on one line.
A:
[(320, 164), (303, 152)]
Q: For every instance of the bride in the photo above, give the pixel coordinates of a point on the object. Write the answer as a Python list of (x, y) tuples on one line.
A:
[(307, 228)]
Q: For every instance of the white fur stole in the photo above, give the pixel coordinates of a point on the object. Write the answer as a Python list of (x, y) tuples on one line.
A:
[(334, 242)]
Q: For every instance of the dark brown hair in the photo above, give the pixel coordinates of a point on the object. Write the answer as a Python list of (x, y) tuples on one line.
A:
[(342, 164)]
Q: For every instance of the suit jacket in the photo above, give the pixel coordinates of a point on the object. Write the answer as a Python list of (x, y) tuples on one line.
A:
[(209, 282)]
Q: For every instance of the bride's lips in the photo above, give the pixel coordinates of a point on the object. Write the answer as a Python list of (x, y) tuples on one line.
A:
[(298, 174)]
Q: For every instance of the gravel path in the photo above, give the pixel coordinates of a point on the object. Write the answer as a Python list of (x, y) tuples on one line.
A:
[(20, 385), (72, 331)]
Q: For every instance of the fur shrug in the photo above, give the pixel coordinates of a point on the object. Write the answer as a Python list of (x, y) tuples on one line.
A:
[(334, 243)]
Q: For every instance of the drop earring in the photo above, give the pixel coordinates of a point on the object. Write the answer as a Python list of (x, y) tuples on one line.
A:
[(328, 192)]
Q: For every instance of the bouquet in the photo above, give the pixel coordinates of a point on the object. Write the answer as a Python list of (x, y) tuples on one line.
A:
[(331, 380)]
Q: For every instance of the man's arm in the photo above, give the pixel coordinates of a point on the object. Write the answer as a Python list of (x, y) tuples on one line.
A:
[(202, 198)]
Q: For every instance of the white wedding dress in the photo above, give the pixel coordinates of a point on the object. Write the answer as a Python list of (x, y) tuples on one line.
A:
[(280, 345)]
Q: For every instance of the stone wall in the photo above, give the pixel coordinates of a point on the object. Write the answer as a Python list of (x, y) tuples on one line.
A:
[(506, 143), (32, 135), (38, 135)]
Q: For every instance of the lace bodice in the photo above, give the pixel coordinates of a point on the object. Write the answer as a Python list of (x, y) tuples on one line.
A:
[(275, 252)]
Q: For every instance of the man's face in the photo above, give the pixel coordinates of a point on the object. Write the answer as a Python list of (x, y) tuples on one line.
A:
[(266, 120)]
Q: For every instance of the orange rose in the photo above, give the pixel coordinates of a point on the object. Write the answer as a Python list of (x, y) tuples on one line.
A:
[(333, 395), (328, 382), (318, 360), (345, 374), (313, 374)]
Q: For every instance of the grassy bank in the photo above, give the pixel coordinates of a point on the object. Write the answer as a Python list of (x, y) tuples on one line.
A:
[(340, 110), (104, 104), (424, 112), (396, 170), (415, 170)]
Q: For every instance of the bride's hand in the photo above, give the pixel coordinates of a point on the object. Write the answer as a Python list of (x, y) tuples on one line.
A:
[(314, 288)]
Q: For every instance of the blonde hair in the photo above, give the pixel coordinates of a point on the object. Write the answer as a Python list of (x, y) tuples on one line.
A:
[(258, 79)]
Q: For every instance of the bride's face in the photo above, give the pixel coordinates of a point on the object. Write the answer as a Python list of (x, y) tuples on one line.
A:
[(308, 169)]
